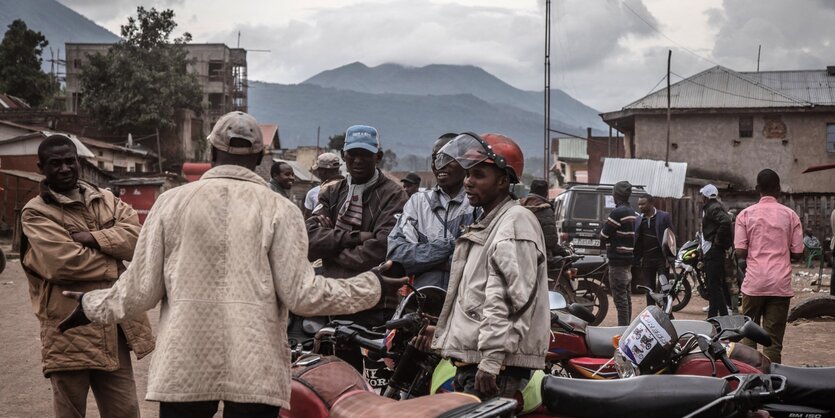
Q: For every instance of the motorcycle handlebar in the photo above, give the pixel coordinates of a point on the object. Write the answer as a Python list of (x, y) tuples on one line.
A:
[(404, 322)]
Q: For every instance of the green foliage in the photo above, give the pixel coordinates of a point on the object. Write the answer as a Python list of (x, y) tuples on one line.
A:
[(336, 142), (389, 160), (142, 79), (20, 65)]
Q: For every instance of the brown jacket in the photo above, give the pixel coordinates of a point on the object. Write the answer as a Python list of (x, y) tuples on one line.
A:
[(342, 252), (547, 220), (53, 262)]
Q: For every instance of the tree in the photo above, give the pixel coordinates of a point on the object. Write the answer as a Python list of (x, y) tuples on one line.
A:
[(20, 65), (389, 160), (336, 142), (143, 78)]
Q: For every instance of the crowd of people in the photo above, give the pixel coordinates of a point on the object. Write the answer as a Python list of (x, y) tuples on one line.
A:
[(229, 258)]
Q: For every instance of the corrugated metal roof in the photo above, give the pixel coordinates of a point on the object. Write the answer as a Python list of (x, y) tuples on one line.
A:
[(301, 173), (573, 148), (659, 180), (720, 87)]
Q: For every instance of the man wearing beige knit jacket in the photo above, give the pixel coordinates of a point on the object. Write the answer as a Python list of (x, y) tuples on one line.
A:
[(228, 259)]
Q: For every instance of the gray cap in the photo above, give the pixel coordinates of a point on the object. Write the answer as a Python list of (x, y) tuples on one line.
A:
[(237, 125)]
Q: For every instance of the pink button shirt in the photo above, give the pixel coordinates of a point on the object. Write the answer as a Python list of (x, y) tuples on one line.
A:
[(770, 232)]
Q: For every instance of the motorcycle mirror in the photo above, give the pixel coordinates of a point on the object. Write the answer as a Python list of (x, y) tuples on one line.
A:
[(582, 312), (755, 333), (556, 300), (669, 241)]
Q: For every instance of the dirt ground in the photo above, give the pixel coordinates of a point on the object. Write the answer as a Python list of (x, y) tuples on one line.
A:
[(24, 392)]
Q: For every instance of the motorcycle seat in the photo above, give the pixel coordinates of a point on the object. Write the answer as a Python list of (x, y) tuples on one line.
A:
[(807, 386), (642, 396), (371, 405), (599, 339)]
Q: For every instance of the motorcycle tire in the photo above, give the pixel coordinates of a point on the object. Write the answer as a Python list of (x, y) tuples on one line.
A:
[(2, 261), (682, 295), (701, 286), (593, 296), (823, 305)]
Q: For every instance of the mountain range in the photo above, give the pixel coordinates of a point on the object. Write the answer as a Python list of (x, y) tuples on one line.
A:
[(410, 106)]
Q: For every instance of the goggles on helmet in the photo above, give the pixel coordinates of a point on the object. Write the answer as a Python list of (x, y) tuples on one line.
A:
[(468, 149)]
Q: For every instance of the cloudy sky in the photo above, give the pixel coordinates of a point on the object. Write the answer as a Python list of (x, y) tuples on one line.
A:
[(605, 53)]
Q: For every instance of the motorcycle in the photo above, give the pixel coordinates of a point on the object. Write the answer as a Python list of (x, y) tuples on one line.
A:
[(325, 386), (659, 396), (689, 264), (588, 291), (651, 346)]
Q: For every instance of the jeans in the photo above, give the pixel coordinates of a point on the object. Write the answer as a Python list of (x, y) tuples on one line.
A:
[(115, 391), (771, 312), (207, 409), (620, 278), (716, 287), (650, 269)]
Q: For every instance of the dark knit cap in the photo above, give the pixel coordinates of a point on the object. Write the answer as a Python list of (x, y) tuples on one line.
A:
[(622, 191), (539, 187)]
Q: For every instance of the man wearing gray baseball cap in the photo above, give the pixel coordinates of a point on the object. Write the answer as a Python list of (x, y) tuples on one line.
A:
[(225, 256)]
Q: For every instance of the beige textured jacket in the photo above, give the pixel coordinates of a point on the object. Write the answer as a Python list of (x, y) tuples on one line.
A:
[(228, 258), (496, 312), (53, 262)]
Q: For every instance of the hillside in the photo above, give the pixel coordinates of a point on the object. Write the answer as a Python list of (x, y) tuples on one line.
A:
[(408, 124), (58, 23), (454, 79)]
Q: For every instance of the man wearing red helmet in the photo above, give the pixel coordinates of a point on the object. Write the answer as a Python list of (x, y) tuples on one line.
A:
[(495, 321)]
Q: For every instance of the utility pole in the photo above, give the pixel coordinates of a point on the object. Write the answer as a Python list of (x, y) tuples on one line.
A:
[(318, 128), (159, 153), (669, 57), (547, 133), (759, 50)]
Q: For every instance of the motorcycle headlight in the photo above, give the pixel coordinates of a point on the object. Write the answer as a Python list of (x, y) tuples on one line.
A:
[(625, 367)]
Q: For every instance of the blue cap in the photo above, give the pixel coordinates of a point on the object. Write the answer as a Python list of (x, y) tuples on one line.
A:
[(362, 137)]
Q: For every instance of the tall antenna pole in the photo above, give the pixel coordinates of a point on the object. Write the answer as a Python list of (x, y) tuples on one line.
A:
[(759, 50), (239, 39), (547, 99), (669, 57)]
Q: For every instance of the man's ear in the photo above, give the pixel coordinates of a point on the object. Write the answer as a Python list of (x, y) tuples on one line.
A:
[(40, 167), (379, 156)]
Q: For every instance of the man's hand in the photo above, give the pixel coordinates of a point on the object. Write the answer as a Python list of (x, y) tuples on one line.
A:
[(485, 383), (86, 239), (423, 341), (388, 284), (77, 318), (323, 221)]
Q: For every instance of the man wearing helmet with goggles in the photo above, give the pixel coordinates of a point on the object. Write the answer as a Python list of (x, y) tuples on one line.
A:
[(495, 321)]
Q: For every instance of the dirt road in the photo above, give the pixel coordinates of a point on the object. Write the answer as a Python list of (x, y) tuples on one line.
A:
[(25, 393)]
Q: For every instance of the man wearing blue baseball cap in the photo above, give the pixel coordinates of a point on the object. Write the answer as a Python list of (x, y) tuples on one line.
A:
[(349, 228)]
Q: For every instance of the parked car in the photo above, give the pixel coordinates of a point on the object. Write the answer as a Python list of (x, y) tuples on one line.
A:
[(581, 211)]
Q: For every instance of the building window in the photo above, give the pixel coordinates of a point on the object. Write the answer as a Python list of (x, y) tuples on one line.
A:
[(830, 137), (215, 101), (215, 70), (746, 126), (76, 63)]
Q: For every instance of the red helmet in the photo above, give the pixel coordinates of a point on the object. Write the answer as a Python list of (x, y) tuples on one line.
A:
[(506, 149), (470, 149)]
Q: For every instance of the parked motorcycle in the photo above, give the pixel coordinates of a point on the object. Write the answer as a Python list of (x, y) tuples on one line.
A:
[(588, 291), (651, 346), (659, 396)]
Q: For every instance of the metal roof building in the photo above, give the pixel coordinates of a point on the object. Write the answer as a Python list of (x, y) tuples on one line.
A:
[(658, 179)]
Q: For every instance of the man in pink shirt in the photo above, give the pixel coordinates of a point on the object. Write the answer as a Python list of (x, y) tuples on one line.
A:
[(768, 236)]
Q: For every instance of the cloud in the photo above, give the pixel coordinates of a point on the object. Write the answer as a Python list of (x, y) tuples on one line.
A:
[(797, 37), (113, 13)]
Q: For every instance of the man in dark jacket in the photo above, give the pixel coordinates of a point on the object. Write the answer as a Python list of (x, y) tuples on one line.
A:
[(537, 202), (619, 233), (349, 227), (649, 235), (716, 229)]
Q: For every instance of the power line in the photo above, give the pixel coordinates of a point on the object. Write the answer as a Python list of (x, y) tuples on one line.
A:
[(651, 26)]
